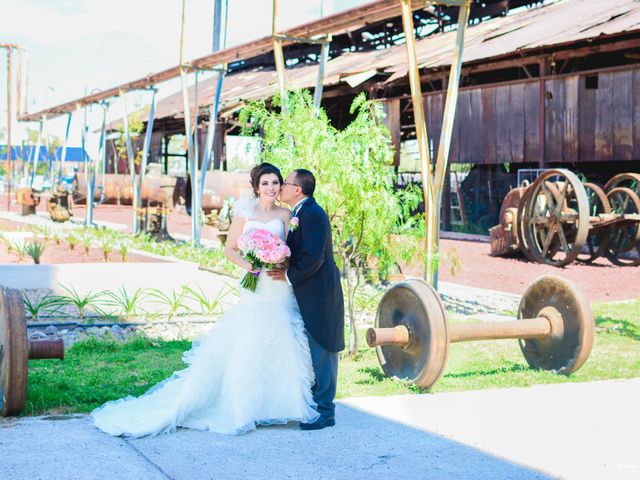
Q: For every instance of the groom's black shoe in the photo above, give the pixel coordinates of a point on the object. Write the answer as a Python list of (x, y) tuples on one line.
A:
[(322, 422)]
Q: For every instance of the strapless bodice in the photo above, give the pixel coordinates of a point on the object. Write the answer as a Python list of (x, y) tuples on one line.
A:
[(275, 226)]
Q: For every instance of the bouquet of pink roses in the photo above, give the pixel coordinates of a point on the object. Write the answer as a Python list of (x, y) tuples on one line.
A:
[(263, 249)]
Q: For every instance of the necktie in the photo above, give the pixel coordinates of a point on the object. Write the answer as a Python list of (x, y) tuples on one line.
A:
[(297, 209)]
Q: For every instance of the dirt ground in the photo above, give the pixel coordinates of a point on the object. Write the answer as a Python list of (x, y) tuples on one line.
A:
[(600, 281), (55, 254)]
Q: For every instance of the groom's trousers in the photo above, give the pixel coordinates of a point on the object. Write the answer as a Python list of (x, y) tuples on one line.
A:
[(325, 368)]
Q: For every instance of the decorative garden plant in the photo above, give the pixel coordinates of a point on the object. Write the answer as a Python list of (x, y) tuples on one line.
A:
[(35, 249), (355, 181)]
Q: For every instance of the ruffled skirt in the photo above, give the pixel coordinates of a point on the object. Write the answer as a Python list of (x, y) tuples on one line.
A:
[(252, 368)]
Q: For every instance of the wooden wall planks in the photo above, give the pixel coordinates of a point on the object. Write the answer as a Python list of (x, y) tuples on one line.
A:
[(587, 117)]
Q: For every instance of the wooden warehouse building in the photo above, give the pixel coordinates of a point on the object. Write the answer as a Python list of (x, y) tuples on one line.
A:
[(544, 84)]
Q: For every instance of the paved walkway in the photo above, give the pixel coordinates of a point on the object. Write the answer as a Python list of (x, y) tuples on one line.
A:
[(580, 430)]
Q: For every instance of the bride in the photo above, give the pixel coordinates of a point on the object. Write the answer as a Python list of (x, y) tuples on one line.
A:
[(252, 368)]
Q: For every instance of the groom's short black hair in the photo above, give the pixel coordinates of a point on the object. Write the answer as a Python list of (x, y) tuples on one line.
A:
[(306, 180)]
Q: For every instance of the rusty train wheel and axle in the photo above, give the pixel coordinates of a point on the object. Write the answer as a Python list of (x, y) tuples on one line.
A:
[(554, 219), (555, 329), (16, 351), (625, 239)]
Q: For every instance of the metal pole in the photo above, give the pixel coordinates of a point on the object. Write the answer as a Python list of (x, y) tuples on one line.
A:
[(36, 153), (147, 144), (131, 161), (217, 25), (100, 160), (193, 162), (215, 104), (88, 171), (211, 129), (9, 121), (422, 137), (278, 56), (447, 126), (324, 57), (63, 156), (196, 134), (19, 83), (47, 148), (26, 79)]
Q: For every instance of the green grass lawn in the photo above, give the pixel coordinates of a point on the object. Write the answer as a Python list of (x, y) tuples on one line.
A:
[(96, 371)]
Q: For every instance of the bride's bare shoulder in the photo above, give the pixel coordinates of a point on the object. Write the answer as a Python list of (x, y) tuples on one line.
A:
[(284, 213)]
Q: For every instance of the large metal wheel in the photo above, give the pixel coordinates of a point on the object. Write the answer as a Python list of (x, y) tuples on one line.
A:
[(598, 239), (627, 180), (520, 225), (14, 353), (561, 302), (555, 218), (624, 239), (416, 305)]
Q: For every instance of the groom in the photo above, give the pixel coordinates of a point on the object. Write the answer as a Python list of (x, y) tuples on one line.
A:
[(316, 284)]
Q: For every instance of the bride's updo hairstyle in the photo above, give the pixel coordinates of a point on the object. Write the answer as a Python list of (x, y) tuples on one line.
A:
[(263, 169)]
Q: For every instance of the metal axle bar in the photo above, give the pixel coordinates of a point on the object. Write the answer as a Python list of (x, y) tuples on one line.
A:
[(45, 349), (528, 328)]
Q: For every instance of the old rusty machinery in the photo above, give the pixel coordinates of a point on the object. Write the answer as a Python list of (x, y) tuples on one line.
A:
[(16, 351), (154, 215), (558, 219), (59, 204), (554, 326), (28, 198)]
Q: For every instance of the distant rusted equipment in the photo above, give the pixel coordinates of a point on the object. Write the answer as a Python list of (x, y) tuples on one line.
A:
[(558, 220), (154, 216), (59, 205), (554, 326), (28, 198), (16, 351)]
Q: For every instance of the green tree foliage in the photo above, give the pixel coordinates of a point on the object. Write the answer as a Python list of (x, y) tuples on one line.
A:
[(136, 127), (355, 181)]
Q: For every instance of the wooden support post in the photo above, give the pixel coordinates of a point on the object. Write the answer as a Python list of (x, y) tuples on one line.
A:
[(278, 56), (193, 161), (131, 161), (447, 125), (432, 189), (421, 133), (324, 57)]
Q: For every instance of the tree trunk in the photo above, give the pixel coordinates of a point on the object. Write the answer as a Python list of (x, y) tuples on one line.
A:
[(354, 343)]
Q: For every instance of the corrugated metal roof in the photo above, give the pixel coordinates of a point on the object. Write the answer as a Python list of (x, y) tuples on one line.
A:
[(562, 22)]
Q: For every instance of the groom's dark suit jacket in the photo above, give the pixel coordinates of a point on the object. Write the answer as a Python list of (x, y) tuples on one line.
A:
[(315, 277)]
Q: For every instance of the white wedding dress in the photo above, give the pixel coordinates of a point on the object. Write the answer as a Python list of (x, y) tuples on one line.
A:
[(252, 368)]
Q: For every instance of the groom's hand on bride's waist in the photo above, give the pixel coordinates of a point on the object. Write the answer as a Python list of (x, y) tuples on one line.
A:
[(278, 273)]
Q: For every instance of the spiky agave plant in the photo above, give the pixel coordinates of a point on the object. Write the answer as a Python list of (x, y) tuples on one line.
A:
[(123, 248), (127, 304), (86, 238), (106, 242), (20, 247), (35, 249), (72, 239), (83, 301)]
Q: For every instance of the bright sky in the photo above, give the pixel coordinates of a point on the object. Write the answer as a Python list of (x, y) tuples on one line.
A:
[(95, 44)]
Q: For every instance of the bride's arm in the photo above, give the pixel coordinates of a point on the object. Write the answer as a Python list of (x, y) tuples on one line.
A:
[(286, 218), (231, 247)]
